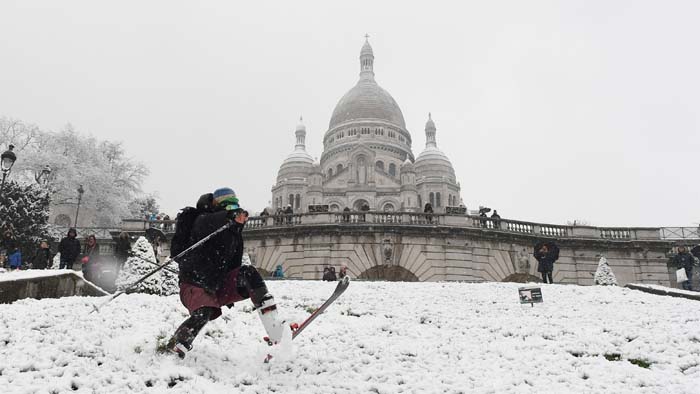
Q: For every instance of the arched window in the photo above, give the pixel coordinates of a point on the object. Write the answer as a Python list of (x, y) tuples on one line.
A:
[(330, 172), (392, 169), (335, 208), (438, 200), (420, 201), (290, 201), (380, 166), (388, 207), (297, 201), (62, 220), (432, 198), (339, 168)]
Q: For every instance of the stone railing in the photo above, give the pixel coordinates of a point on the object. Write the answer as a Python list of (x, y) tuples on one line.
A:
[(439, 219)]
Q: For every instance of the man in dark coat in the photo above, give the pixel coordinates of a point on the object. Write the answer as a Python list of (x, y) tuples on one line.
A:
[(212, 276), (69, 248), (42, 258), (546, 253), (122, 250), (683, 259)]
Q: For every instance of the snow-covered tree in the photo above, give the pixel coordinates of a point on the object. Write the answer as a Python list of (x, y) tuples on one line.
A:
[(604, 275), (142, 206), (171, 283), (25, 209), (141, 263), (110, 178)]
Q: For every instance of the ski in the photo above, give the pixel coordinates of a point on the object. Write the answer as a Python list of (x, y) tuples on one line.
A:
[(298, 328)]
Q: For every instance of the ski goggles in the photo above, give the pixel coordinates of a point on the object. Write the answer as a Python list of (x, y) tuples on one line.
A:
[(229, 203)]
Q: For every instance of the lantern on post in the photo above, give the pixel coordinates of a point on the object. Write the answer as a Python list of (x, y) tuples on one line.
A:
[(7, 160)]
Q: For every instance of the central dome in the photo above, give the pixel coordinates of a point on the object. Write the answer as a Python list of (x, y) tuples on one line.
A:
[(367, 100)]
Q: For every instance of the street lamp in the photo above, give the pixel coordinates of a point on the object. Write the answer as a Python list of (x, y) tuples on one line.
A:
[(43, 176), (80, 197), (7, 159)]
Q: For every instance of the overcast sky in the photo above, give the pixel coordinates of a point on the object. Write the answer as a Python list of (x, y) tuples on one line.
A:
[(550, 111)]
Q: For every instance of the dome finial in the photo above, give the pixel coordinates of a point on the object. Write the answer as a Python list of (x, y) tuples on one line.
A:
[(366, 61), (430, 132), (301, 135)]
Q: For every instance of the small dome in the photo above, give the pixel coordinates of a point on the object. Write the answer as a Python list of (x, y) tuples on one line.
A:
[(433, 162)]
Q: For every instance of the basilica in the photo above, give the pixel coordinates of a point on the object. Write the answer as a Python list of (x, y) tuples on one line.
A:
[(367, 160)]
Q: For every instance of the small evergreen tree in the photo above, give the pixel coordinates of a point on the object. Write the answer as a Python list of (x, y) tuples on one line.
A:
[(25, 209), (604, 275), (138, 266), (141, 263), (171, 284)]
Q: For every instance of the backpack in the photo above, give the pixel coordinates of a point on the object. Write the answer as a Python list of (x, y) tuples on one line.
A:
[(554, 251), (184, 221)]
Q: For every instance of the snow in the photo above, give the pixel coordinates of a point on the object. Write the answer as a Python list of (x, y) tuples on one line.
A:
[(10, 276), (378, 337)]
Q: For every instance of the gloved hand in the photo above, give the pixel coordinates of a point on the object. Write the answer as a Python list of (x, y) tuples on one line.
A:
[(85, 260)]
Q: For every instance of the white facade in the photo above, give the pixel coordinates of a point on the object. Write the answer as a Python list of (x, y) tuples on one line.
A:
[(367, 158)]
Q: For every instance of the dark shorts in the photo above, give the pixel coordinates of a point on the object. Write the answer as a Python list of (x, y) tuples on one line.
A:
[(194, 297)]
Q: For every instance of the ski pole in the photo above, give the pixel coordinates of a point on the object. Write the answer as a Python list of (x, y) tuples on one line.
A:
[(160, 267)]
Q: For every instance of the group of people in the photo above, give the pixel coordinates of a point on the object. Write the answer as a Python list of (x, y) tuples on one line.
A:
[(329, 273), (11, 254)]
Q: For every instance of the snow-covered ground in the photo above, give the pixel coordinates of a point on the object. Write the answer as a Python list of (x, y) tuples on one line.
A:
[(378, 337)]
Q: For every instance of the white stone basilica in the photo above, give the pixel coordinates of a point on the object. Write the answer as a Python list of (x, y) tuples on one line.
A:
[(367, 158)]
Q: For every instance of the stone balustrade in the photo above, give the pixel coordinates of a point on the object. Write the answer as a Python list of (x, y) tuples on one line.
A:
[(485, 223), (422, 219)]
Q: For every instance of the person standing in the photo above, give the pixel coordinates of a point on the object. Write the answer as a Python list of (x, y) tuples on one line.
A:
[(69, 248), (90, 259), (7, 244), (546, 253), (122, 250), (683, 259), (14, 258), (213, 275), (42, 257), (496, 219)]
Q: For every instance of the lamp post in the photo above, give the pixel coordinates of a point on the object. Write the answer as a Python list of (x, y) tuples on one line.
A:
[(80, 197), (7, 159), (43, 176)]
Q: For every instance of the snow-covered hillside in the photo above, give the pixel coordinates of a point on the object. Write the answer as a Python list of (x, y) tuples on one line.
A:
[(378, 337)]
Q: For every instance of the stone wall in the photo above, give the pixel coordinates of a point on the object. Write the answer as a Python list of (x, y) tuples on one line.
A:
[(438, 252), (63, 284)]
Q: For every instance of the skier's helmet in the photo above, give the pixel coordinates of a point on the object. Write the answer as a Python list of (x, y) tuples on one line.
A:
[(225, 198)]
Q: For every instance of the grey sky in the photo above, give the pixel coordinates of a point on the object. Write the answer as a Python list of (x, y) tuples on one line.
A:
[(549, 111)]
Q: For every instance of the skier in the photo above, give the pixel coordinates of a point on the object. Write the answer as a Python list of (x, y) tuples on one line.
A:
[(213, 275)]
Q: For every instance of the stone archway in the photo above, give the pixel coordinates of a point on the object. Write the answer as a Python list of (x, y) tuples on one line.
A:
[(358, 204), (391, 273)]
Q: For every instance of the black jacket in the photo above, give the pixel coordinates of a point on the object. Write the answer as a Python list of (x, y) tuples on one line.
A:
[(683, 260), (122, 250), (42, 259), (545, 261), (207, 265), (69, 248)]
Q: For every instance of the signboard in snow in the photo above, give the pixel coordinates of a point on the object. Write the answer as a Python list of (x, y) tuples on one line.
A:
[(530, 295)]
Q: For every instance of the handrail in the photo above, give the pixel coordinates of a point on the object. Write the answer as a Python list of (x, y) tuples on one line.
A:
[(400, 218)]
